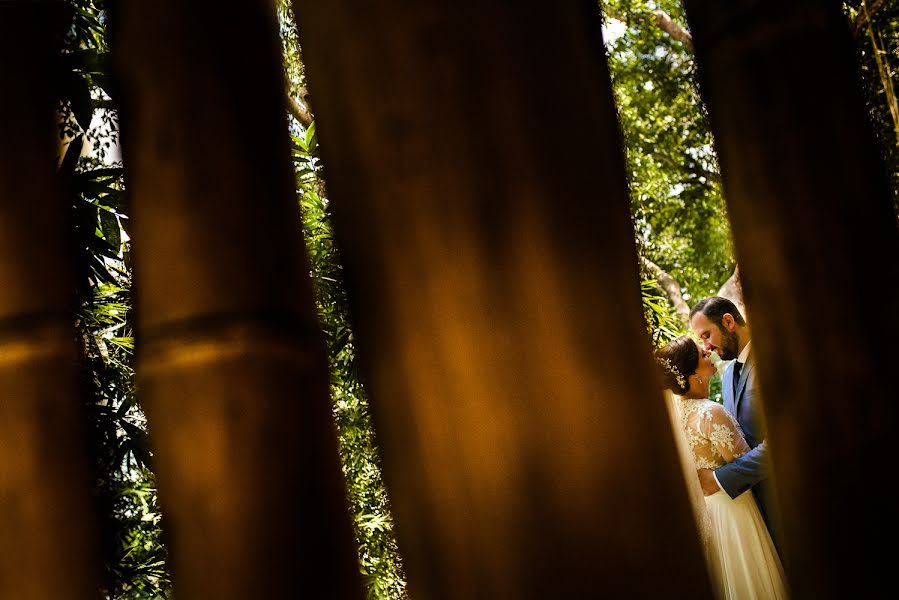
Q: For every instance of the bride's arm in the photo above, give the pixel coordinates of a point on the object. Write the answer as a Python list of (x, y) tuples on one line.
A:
[(725, 434)]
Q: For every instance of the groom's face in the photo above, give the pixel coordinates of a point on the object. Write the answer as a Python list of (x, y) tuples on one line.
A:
[(716, 337)]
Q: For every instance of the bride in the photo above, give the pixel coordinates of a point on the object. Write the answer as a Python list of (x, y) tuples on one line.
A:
[(742, 559)]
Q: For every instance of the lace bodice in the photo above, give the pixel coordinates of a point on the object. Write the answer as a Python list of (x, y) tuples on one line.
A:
[(713, 434)]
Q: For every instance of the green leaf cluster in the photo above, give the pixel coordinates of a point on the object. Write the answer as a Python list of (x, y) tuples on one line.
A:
[(662, 324), (679, 214), (877, 39), (124, 487), (379, 559)]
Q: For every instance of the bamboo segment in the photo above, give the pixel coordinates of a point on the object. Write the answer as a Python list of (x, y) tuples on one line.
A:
[(47, 547), (479, 192), (231, 367), (816, 241)]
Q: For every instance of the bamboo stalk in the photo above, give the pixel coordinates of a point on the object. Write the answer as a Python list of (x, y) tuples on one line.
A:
[(493, 277), (47, 544), (231, 362), (816, 241)]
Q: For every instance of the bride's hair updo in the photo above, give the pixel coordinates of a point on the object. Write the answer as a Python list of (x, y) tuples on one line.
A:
[(677, 360)]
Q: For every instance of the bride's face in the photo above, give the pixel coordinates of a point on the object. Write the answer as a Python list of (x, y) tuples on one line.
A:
[(706, 368)]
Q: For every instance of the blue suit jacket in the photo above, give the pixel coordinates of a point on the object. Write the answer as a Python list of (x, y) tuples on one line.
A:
[(753, 468)]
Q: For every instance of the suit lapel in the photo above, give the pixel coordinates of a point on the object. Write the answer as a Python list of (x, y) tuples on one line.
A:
[(744, 377)]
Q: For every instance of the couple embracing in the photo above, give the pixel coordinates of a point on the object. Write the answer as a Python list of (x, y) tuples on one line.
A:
[(727, 446)]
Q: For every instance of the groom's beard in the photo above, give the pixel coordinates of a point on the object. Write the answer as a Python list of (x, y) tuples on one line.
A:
[(730, 345)]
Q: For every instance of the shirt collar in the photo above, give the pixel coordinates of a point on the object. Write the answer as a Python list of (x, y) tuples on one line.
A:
[(745, 353)]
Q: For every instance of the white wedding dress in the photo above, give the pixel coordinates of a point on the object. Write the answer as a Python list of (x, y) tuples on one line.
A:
[(742, 560)]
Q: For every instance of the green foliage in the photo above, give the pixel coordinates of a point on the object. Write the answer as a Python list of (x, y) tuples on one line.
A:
[(380, 562), (662, 322), (84, 81), (124, 486), (679, 213), (379, 558), (880, 36), (140, 571)]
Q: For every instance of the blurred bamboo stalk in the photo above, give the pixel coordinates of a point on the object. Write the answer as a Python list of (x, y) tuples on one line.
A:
[(494, 282), (231, 362), (816, 241), (47, 536)]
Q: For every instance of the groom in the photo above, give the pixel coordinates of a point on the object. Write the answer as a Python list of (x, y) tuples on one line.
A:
[(721, 328)]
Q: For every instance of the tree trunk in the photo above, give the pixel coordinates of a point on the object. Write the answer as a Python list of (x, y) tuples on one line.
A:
[(494, 286), (661, 19), (866, 13), (732, 289), (671, 288), (47, 543), (231, 365), (673, 28), (816, 241), (299, 107)]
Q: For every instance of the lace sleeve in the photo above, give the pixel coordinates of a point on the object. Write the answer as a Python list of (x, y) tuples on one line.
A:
[(694, 491), (724, 433)]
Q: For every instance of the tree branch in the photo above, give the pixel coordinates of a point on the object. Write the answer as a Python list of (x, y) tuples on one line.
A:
[(299, 107), (671, 288), (865, 15), (673, 28), (662, 20), (691, 168), (733, 291)]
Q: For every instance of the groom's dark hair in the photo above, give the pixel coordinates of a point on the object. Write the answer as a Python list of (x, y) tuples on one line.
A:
[(715, 307)]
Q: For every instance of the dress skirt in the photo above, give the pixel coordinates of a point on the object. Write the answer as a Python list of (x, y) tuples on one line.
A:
[(747, 565)]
